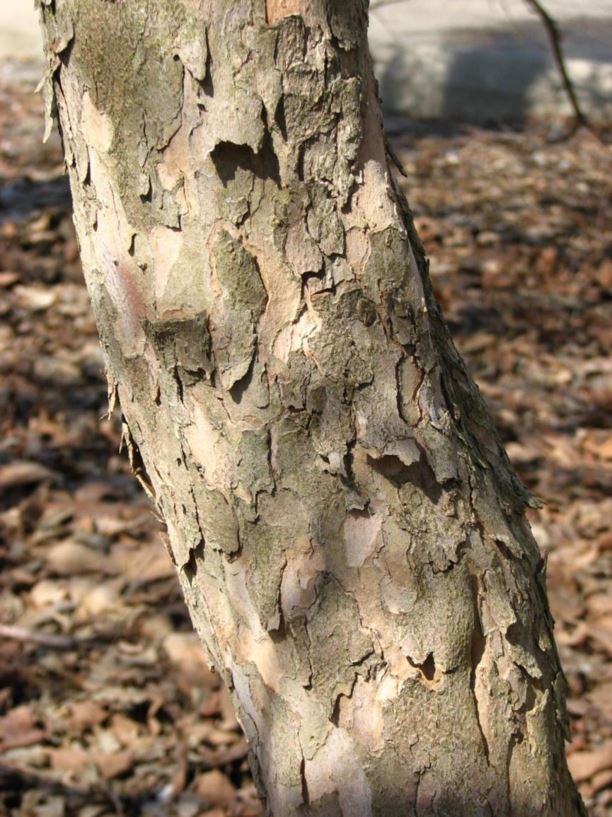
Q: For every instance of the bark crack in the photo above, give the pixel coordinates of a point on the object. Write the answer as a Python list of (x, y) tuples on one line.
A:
[(430, 674), (477, 650)]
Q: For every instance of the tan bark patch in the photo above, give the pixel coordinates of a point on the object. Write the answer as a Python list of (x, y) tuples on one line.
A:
[(375, 207), (166, 245), (357, 247), (276, 9), (366, 711), (97, 126), (302, 252), (294, 337), (336, 768), (360, 534), (298, 584), (255, 645), (209, 448)]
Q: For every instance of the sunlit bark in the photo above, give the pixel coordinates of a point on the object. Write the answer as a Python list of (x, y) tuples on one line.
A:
[(347, 530)]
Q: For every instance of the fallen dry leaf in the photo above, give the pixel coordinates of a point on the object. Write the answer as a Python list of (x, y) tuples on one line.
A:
[(71, 759), (18, 720), (20, 472), (126, 730), (71, 558), (84, 715), (186, 652), (215, 789), (113, 764), (583, 765), (34, 298)]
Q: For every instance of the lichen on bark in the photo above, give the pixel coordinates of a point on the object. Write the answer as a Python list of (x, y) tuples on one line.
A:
[(348, 532)]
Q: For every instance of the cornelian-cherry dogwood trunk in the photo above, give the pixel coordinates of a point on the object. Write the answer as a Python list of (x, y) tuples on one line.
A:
[(346, 527)]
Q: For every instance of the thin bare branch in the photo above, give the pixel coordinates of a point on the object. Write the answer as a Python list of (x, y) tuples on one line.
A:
[(554, 35)]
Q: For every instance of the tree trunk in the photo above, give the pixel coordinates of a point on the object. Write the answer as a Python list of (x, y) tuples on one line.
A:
[(347, 530)]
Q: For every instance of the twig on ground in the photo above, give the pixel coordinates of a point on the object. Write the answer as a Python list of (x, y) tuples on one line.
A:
[(58, 642)]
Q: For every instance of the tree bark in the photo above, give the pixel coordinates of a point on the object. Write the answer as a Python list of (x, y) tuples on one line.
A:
[(347, 530)]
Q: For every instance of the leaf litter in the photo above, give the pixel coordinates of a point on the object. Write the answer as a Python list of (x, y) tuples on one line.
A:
[(107, 706)]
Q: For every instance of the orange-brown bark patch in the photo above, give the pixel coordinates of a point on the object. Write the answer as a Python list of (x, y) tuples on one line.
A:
[(275, 9)]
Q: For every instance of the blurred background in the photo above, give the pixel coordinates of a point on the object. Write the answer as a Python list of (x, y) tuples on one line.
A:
[(106, 705)]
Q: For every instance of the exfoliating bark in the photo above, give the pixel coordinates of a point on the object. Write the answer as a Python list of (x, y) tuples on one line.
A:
[(348, 532)]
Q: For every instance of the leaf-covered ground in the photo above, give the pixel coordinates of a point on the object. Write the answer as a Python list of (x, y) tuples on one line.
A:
[(106, 705)]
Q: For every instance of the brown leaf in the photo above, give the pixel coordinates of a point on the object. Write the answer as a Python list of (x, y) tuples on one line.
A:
[(583, 765), (600, 604), (7, 279), (604, 274), (47, 593), (601, 781), (215, 788), (113, 764), (605, 542), (71, 558), (84, 715), (601, 698), (16, 722), (601, 633), (124, 729), (146, 565), (103, 599), (31, 737), (546, 261), (23, 472), (69, 759), (35, 298), (186, 652), (599, 445)]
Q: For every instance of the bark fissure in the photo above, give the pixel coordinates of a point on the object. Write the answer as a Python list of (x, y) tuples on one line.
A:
[(477, 650)]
